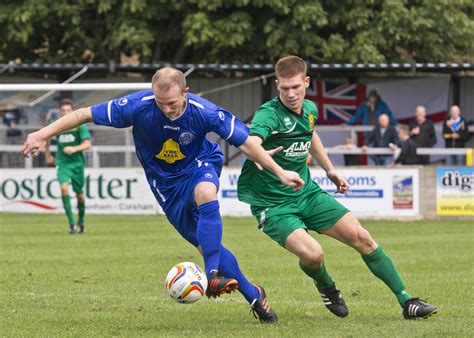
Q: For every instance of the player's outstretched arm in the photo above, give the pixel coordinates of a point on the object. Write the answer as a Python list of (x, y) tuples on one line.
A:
[(319, 153), (253, 150), (36, 141)]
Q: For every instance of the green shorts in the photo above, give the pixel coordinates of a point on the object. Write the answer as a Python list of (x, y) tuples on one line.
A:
[(72, 175), (311, 211)]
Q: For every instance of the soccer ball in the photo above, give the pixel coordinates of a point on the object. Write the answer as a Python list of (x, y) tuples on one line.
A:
[(186, 283)]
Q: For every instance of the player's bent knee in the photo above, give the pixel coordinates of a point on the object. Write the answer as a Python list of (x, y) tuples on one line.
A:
[(312, 259), (365, 244), (205, 192)]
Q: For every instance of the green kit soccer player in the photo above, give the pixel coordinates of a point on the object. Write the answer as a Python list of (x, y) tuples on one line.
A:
[(286, 123), (70, 167)]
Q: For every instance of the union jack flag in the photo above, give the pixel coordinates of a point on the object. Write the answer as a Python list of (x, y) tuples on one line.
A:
[(337, 102)]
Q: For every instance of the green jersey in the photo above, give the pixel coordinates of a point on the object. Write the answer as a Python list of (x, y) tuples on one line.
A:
[(71, 138), (278, 126)]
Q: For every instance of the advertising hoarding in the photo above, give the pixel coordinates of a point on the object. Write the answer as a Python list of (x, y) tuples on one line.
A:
[(455, 191), (107, 191), (373, 193)]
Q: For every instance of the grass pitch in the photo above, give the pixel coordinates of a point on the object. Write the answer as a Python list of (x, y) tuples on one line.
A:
[(110, 281)]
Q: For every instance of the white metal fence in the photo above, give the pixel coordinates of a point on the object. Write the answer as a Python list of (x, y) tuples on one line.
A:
[(114, 148)]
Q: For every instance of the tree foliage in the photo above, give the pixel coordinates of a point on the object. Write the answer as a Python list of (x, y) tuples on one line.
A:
[(230, 31)]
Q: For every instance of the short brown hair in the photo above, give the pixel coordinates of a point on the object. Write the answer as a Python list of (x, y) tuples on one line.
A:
[(66, 102), (166, 77), (404, 128), (290, 66)]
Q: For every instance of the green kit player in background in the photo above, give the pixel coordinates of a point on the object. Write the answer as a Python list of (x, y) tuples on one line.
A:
[(285, 128), (70, 166)]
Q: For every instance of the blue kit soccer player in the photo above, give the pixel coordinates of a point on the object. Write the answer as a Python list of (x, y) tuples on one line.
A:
[(182, 167)]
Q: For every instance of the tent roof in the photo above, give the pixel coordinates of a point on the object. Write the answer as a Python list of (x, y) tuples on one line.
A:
[(255, 68)]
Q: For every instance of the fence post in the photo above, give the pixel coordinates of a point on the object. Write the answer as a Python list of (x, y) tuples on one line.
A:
[(95, 158), (29, 162), (128, 155)]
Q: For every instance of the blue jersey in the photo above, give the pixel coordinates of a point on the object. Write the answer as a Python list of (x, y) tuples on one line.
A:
[(171, 150)]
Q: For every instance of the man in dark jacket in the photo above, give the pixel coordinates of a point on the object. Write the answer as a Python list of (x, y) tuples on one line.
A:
[(408, 147), (455, 134), (382, 136), (422, 131)]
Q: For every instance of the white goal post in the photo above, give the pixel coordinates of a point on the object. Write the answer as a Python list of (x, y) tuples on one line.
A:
[(126, 86)]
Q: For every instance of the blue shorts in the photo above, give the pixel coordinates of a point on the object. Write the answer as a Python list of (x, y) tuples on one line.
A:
[(181, 209)]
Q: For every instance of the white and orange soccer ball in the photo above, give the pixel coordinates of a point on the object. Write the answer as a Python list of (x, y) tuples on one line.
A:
[(186, 282)]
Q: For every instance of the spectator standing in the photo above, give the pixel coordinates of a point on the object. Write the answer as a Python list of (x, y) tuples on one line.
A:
[(11, 118), (407, 153), (370, 110), (382, 136), (455, 134), (423, 133)]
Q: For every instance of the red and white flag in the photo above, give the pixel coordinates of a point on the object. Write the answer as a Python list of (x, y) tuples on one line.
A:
[(337, 102)]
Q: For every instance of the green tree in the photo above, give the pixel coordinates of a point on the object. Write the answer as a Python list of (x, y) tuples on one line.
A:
[(229, 31)]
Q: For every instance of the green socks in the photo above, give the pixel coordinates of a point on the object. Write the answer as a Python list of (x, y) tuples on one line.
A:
[(67, 207), (81, 207), (382, 266), (320, 276)]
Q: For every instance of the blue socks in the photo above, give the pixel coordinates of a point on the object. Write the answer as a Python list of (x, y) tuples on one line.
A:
[(217, 257), (209, 235), (229, 268)]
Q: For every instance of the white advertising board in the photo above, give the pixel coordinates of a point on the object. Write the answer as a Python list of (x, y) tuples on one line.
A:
[(373, 192), (455, 191), (107, 191)]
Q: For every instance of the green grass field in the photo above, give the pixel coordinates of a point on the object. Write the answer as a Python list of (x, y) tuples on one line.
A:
[(110, 281)]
